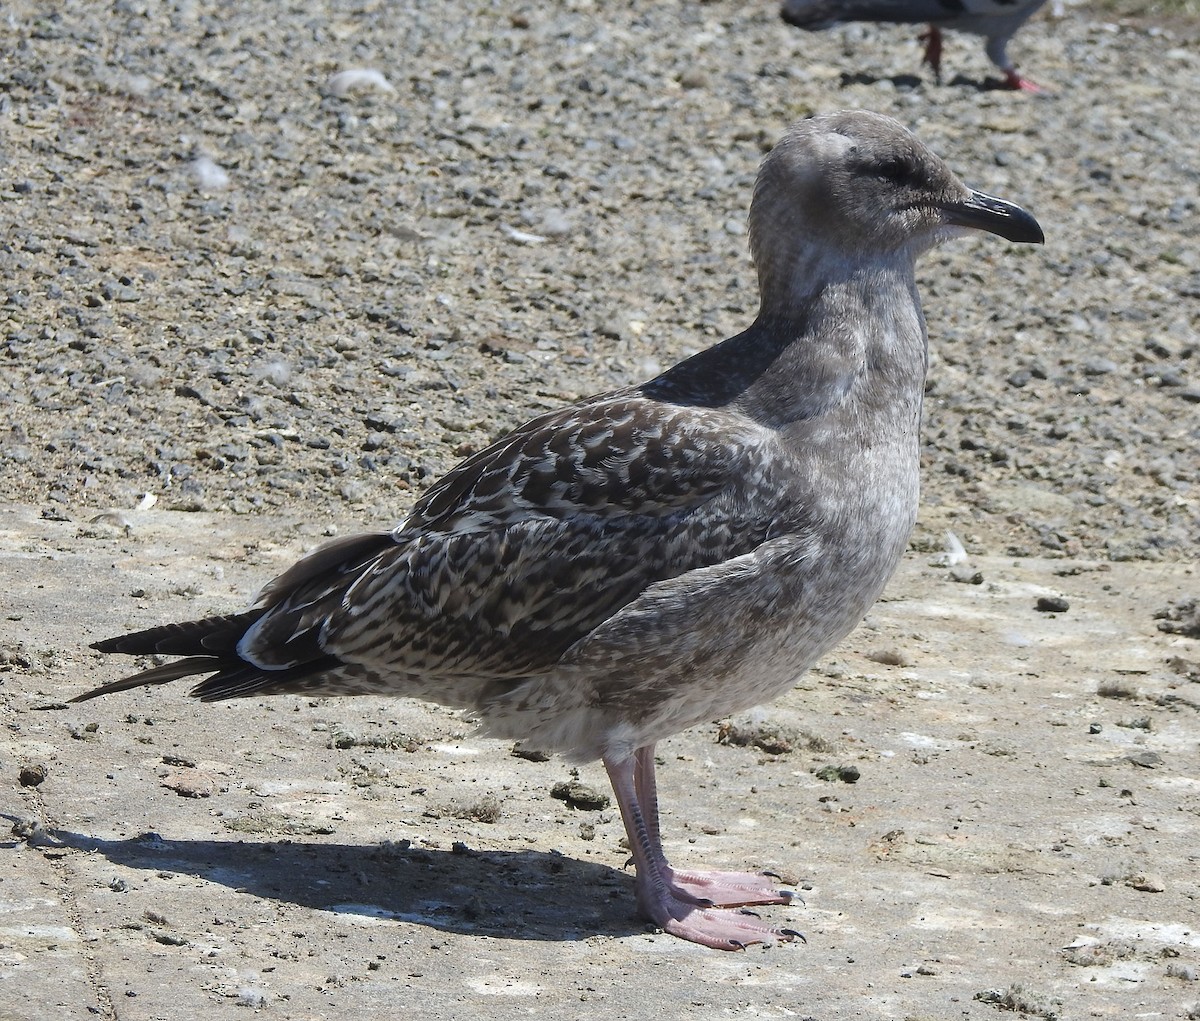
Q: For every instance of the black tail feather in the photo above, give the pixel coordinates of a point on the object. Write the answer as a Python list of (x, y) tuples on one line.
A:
[(244, 680), (208, 646), (230, 678), (156, 675), (213, 636)]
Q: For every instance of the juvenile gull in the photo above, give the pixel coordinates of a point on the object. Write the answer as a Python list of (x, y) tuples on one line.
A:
[(995, 20), (618, 570)]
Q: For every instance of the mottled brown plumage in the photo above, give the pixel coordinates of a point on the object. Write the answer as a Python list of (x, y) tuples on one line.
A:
[(621, 569)]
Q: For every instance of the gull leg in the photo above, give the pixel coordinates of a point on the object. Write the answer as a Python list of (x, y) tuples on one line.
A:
[(997, 51), (660, 899), (720, 889), (1015, 81), (932, 38)]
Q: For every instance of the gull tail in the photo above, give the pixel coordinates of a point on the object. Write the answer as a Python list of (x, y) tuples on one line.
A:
[(208, 646), (290, 659), (212, 637)]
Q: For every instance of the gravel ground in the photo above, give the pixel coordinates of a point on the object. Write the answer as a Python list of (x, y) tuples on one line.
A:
[(237, 285)]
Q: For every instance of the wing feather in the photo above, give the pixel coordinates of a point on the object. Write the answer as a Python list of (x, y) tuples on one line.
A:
[(615, 455), (528, 546)]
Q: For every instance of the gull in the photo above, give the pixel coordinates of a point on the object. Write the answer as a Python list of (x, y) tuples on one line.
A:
[(656, 557), (996, 20)]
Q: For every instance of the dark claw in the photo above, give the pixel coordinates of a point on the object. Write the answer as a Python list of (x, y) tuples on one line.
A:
[(771, 875), (628, 861), (789, 894), (737, 944), (747, 911), (793, 934)]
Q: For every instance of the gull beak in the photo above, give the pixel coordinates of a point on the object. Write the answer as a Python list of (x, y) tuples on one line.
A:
[(985, 212)]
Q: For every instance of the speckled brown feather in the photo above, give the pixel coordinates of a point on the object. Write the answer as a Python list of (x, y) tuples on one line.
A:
[(528, 546)]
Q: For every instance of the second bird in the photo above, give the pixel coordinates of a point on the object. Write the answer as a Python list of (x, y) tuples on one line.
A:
[(995, 20)]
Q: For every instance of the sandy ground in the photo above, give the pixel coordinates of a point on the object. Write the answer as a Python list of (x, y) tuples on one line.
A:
[(1023, 828)]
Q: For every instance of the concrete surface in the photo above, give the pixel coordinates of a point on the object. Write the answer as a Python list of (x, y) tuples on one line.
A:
[(1023, 834)]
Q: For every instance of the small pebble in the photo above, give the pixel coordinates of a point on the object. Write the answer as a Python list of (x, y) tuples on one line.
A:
[(966, 576), (847, 774), (1145, 759), (1052, 604), (207, 175), (254, 998), (1148, 882), (554, 223), (33, 774), (358, 79), (531, 754), (580, 795)]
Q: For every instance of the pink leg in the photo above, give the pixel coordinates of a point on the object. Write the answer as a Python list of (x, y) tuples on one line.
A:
[(719, 889), (1015, 81), (675, 906), (932, 38)]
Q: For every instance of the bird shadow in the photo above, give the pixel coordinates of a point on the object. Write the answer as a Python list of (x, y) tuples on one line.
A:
[(906, 82), (911, 82), (525, 894), (987, 85)]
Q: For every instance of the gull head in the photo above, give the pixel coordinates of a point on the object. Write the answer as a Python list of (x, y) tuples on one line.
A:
[(857, 188)]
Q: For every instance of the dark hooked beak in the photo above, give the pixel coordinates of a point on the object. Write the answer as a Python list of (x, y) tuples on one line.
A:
[(984, 212)]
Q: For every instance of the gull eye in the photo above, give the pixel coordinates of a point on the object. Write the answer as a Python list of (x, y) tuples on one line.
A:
[(894, 167)]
